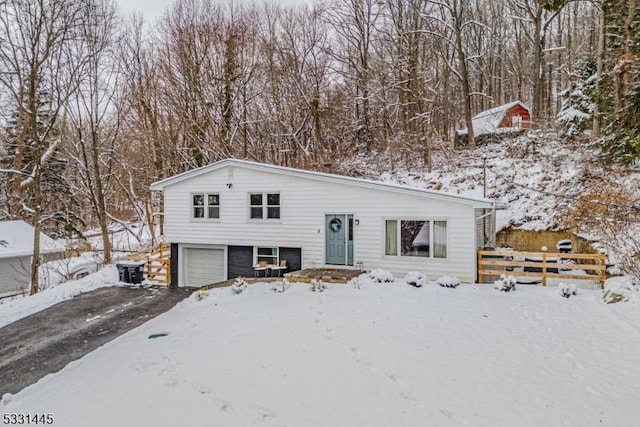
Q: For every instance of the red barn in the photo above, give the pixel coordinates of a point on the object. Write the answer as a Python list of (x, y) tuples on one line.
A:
[(508, 118)]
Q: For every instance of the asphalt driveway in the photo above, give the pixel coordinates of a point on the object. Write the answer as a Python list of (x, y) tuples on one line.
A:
[(46, 342)]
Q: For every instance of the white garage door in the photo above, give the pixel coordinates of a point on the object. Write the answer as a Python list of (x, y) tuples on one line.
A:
[(203, 266)]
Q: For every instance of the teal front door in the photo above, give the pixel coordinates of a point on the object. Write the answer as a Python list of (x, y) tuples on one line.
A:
[(339, 239)]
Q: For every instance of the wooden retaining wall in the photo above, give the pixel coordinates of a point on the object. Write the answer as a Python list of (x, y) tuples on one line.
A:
[(525, 240)]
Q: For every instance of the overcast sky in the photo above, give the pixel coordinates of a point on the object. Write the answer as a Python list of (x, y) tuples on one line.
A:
[(152, 9)]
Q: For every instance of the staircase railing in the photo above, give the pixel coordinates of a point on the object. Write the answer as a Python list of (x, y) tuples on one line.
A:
[(158, 262)]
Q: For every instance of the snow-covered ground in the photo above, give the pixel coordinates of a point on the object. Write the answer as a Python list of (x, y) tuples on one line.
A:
[(383, 354), (14, 308)]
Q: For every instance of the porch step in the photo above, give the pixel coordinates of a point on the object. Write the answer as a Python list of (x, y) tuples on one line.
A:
[(327, 275)]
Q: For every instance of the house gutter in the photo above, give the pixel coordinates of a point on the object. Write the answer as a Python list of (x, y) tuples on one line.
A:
[(494, 207)]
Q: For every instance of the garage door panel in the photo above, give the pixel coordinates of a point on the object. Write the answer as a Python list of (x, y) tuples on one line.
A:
[(204, 266)]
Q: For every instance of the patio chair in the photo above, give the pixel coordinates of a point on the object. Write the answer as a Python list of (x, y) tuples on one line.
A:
[(260, 266), (280, 267)]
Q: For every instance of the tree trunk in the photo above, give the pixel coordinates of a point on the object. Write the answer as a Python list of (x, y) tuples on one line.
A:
[(595, 134), (101, 208), (35, 260), (464, 75), (538, 74)]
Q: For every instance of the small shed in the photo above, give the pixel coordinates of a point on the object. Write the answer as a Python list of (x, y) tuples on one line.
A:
[(489, 125), (16, 250)]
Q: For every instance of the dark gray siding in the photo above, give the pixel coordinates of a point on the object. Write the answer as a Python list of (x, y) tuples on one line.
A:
[(174, 265), (293, 257), (239, 261)]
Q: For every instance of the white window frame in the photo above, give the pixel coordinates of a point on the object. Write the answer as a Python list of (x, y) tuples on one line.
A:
[(265, 206), (399, 238), (516, 121), (205, 206), (276, 261)]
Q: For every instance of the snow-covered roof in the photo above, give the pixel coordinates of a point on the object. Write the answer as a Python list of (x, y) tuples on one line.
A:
[(487, 122), (16, 239), (439, 195)]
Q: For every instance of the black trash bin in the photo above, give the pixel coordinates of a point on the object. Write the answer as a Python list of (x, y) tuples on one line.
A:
[(123, 272), (131, 272)]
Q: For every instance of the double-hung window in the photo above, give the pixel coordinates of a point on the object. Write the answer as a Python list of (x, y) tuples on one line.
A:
[(205, 205), (415, 238), (269, 255), (264, 205)]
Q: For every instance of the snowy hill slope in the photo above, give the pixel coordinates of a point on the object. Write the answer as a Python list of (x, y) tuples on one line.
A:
[(537, 175)]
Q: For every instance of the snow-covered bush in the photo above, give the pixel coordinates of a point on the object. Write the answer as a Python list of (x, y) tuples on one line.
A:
[(567, 289), (317, 285), (505, 283), (593, 213), (415, 278), (280, 286), (360, 281), (239, 285), (201, 294), (381, 276), (448, 281), (619, 289)]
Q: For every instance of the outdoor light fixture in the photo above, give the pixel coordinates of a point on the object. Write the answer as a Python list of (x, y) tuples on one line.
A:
[(229, 185), (356, 221)]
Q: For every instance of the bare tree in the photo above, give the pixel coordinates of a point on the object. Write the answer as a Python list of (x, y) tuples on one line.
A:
[(354, 22), (34, 71), (410, 97), (536, 17), (92, 111)]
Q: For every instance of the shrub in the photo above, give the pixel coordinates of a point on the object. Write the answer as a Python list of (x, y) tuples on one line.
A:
[(567, 289), (239, 285), (380, 276), (448, 281), (505, 283), (280, 286), (415, 278), (201, 294), (360, 281), (619, 289), (317, 285)]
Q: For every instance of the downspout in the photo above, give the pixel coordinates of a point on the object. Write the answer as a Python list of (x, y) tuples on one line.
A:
[(484, 224), (483, 217)]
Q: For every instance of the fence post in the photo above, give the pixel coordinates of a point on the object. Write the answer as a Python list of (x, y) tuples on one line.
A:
[(601, 260), (480, 267), (544, 269)]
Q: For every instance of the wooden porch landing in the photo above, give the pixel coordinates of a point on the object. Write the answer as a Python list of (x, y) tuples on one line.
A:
[(327, 275)]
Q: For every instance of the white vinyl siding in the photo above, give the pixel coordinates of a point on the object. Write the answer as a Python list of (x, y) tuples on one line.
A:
[(306, 201)]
